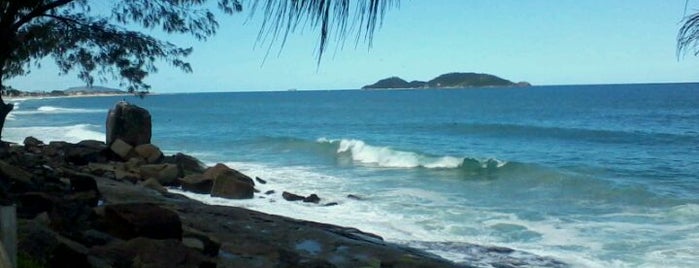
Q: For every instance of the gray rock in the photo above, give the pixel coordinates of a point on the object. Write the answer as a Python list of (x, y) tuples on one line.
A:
[(121, 148), (197, 184), (149, 152), (166, 174), (132, 220), (130, 123)]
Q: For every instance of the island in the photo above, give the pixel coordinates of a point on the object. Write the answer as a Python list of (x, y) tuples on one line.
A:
[(448, 80)]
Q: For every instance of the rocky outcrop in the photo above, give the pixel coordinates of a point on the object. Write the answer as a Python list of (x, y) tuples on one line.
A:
[(134, 226), (130, 123), (104, 206)]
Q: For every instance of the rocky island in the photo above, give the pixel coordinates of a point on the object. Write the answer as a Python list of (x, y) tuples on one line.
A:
[(449, 80)]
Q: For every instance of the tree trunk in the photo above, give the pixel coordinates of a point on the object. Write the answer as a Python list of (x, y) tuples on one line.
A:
[(5, 108)]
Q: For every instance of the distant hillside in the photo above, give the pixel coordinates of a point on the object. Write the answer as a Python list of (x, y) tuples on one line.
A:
[(449, 80), (93, 89)]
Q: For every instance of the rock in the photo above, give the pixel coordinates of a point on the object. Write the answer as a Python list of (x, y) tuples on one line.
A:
[(49, 248), (354, 197), (291, 197), (30, 204), (313, 198), (228, 185), (123, 175), (331, 204), (155, 185), (222, 170), (269, 192), (204, 243), (197, 184), (85, 152), (188, 165), (261, 181), (132, 220), (31, 141), (82, 183), (130, 123), (166, 174), (19, 179), (121, 148), (144, 252), (149, 152)]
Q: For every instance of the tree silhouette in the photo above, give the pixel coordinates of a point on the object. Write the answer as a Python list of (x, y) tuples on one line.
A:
[(95, 38)]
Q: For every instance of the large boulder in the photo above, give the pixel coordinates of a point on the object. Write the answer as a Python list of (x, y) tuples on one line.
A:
[(132, 220), (230, 183), (227, 186), (223, 170), (130, 123), (197, 184)]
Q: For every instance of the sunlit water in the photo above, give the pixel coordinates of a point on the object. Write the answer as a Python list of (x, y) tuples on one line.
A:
[(591, 175)]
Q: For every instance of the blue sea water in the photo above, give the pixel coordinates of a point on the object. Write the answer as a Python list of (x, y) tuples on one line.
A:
[(604, 175)]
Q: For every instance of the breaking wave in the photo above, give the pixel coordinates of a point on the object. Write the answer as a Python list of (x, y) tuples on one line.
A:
[(384, 156), (59, 110)]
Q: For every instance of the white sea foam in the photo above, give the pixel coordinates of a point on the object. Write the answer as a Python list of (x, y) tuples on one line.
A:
[(74, 133), (58, 110), (391, 158)]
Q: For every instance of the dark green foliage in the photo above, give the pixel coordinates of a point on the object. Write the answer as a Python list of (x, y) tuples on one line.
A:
[(468, 80), (99, 42), (449, 80), (391, 82)]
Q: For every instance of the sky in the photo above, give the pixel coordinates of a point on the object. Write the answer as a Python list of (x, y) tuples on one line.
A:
[(544, 42)]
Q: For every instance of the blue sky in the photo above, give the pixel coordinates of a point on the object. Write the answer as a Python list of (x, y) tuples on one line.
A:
[(544, 42)]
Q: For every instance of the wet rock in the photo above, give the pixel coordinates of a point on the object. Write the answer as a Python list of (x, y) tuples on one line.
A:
[(228, 185), (354, 197), (291, 197), (222, 170), (331, 204), (261, 181), (187, 165), (313, 198), (128, 122), (270, 192), (197, 184), (132, 220), (149, 152)]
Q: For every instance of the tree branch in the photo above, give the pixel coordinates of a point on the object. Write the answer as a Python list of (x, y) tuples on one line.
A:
[(39, 11)]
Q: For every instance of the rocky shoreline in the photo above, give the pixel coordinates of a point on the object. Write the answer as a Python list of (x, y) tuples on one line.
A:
[(97, 204)]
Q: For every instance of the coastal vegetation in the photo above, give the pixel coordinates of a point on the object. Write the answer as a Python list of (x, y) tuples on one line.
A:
[(448, 80)]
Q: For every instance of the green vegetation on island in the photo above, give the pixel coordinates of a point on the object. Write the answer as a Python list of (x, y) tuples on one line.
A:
[(449, 80)]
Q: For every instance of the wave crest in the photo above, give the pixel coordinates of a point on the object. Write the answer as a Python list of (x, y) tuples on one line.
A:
[(361, 152), (59, 110)]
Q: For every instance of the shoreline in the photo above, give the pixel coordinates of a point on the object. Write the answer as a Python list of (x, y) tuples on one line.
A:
[(257, 238)]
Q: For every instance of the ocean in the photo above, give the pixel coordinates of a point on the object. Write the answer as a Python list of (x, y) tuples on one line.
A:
[(593, 175)]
